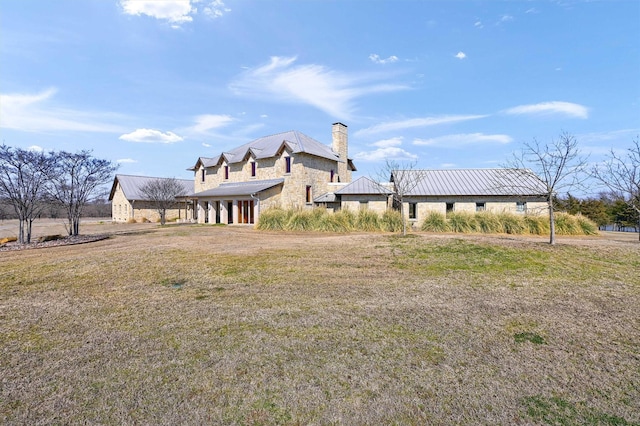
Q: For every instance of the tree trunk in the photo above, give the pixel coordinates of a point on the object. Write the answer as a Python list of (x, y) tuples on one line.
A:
[(21, 231), (552, 224)]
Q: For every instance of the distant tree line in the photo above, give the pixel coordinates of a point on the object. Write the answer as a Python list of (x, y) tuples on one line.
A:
[(605, 209), (34, 184)]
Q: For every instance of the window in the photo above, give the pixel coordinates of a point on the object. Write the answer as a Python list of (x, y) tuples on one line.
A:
[(308, 195), (226, 172), (332, 174), (287, 164), (202, 173), (450, 207), (480, 207), (521, 206), (253, 169), (413, 210), (364, 205)]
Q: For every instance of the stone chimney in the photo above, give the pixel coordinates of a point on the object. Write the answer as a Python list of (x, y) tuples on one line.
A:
[(340, 145)]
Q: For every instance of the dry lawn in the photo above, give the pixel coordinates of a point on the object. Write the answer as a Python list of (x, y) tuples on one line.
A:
[(198, 324)]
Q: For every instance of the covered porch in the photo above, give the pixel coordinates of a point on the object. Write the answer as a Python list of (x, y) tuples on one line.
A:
[(232, 203)]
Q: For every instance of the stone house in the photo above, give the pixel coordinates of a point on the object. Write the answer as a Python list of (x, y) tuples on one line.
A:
[(287, 170), (128, 202), (517, 191)]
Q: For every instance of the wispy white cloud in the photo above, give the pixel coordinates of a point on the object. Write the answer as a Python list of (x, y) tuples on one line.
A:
[(207, 122), (386, 149), (461, 55), (215, 9), (151, 136), (448, 165), (386, 143), (388, 153), (554, 107), (378, 60), (126, 160), (38, 113), (35, 148), (478, 24), (505, 18), (416, 122), (206, 145), (175, 12), (463, 139), (331, 91)]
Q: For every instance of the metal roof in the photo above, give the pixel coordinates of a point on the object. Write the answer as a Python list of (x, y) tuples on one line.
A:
[(132, 185), (328, 197), (270, 146), (363, 185), (495, 182), (239, 188)]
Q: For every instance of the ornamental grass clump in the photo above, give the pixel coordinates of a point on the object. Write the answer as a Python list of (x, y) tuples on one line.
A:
[(368, 221), (274, 219), (301, 220), (346, 218), (435, 222), (567, 224), (588, 226), (512, 224), (537, 225), (391, 221), (489, 223), (463, 222)]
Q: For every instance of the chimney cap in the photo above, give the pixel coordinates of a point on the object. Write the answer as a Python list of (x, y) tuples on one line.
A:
[(339, 123)]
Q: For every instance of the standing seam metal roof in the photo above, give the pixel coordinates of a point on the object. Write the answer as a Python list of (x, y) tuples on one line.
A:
[(132, 185), (472, 182), (269, 146)]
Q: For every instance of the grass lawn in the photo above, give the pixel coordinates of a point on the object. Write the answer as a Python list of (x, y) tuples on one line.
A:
[(198, 324)]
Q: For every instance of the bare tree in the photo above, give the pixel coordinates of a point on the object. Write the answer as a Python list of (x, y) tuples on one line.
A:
[(621, 174), (24, 176), (79, 180), (405, 178), (162, 193), (559, 165)]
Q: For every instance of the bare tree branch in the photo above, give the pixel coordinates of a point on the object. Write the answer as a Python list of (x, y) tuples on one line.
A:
[(24, 176), (405, 178), (621, 175), (78, 180), (162, 192), (559, 165)]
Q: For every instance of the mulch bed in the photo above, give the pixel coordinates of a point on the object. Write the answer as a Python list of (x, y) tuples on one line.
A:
[(66, 241)]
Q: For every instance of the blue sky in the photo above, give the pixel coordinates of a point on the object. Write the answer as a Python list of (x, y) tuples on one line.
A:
[(154, 85)]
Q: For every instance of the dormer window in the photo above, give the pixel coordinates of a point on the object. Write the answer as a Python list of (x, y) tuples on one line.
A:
[(253, 169), (332, 175), (226, 172), (202, 175), (287, 164)]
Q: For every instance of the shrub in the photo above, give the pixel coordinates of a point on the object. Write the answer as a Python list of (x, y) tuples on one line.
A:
[(489, 223), (464, 222), (435, 222), (368, 220), (391, 221), (512, 224), (131, 220), (8, 240)]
